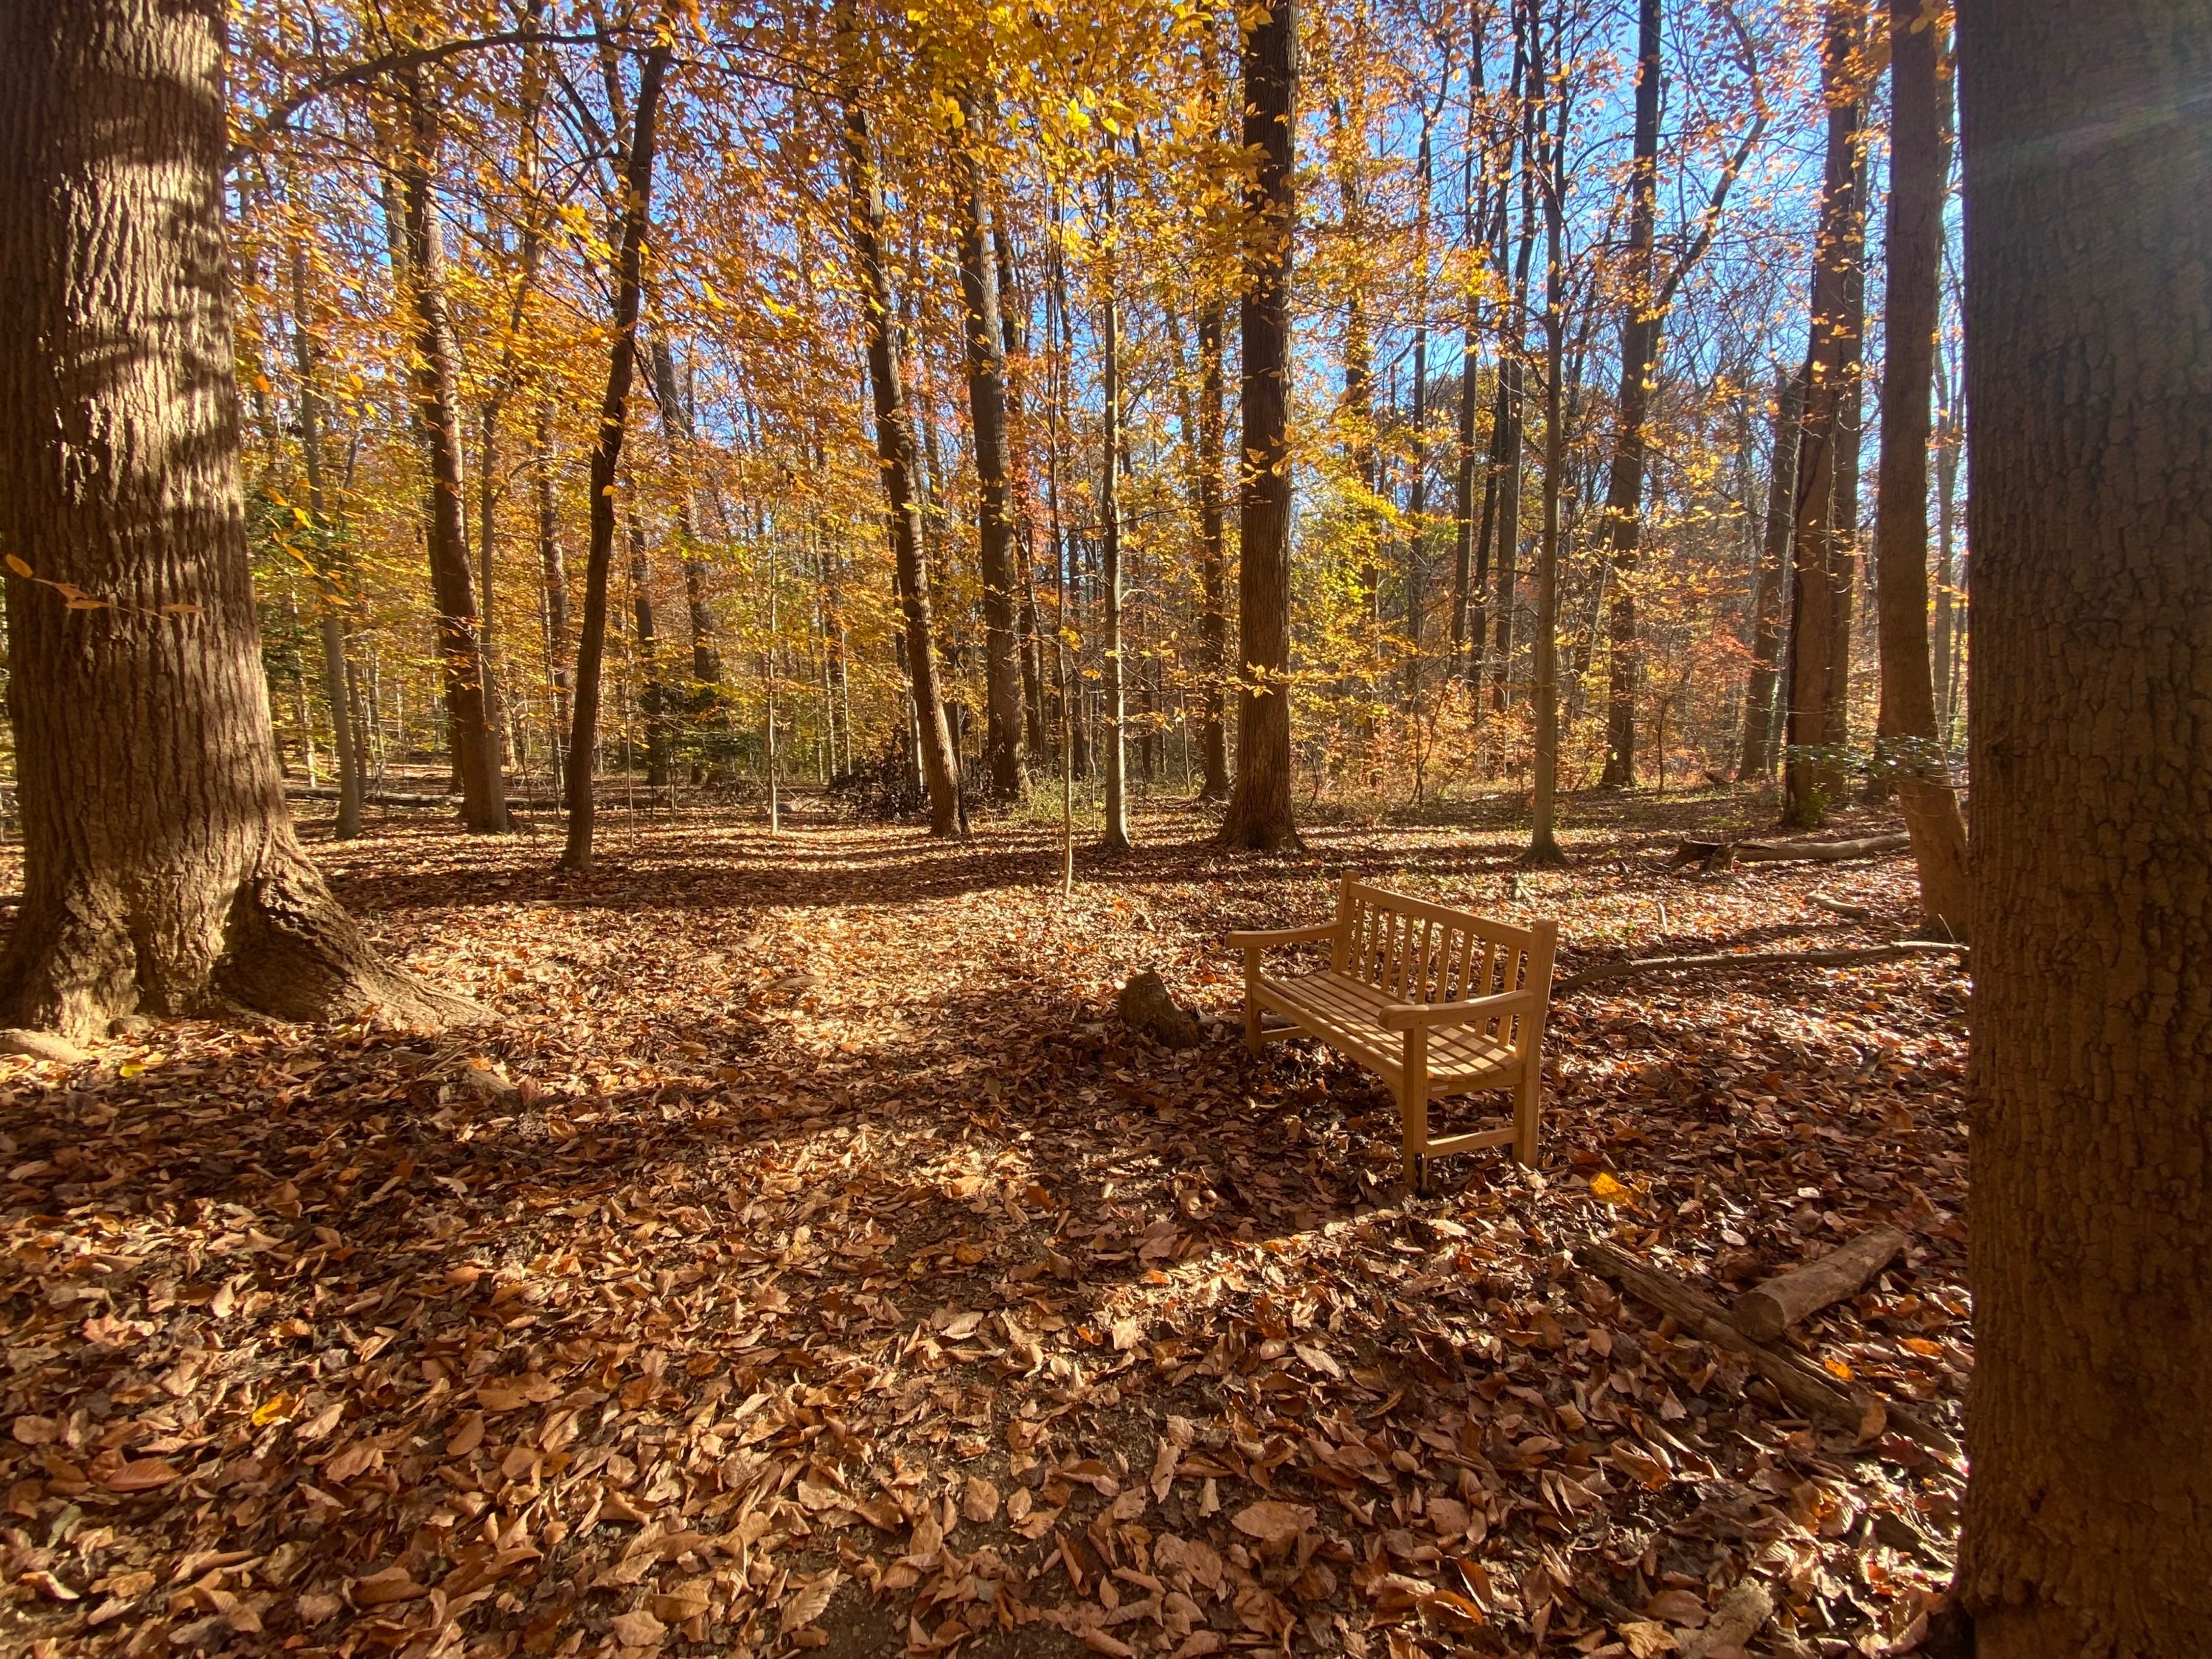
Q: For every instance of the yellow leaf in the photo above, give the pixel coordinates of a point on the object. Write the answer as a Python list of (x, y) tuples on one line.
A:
[(276, 1406), (1603, 1187), (1838, 1369)]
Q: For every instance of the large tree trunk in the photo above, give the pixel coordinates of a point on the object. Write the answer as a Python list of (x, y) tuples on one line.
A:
[(1639, 351), (606, 458), (982, 329), (1260, 804), (2088, 139), (160, 874), (1758, 757), (1813, 774), (438, 426), (1906, 732)]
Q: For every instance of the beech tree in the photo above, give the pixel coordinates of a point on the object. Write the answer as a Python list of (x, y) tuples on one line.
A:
[(161, 874), (2087, 140)]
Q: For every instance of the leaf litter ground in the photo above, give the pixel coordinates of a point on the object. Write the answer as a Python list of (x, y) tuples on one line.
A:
[(806, 1258)]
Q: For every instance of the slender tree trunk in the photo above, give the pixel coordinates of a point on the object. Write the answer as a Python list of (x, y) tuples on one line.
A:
[(1812, 776), (1110, 545), (1021, 488), (653, 690), (1843, 550), (1417, 443), (1639, 353), (330, 622), (1543, 843), (1758, 757), (895, 453), (606, 458), (1260, 805), (160, 871), (1512, 399), (1004, 765), (553, 584), (437, 424), (1907, 731), (487, 547), (1947, 495), (1213, 617), (2088, 139), (676, 431)]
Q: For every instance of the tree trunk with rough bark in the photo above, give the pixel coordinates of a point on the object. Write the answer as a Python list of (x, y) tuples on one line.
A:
[(160, 871), (1812, 778), (2088, 140), (606, 460), (436, 377), (1005, 767), (1260, 804), (1906, 733), (1758, 757), (1639, 350)]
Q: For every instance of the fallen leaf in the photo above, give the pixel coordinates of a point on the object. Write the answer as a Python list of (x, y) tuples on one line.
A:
[(1272, 1522)]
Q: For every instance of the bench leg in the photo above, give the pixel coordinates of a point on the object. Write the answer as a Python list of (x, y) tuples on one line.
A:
[(1252, 1000), (1413, 1111), (1527, 1099)]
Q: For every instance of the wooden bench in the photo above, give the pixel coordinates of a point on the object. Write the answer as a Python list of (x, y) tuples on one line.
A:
[(1440, 1002)]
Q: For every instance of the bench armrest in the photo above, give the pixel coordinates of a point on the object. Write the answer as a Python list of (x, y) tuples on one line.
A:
[(1404, 1016), (1253, 941)]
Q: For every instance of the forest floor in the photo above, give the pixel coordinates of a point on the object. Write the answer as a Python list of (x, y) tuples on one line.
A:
[(821, 1264)]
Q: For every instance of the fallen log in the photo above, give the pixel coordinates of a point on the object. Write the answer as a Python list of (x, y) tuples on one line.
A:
[(1766, 1311), (1803, 1384), (1636, 966), (1713, 856)]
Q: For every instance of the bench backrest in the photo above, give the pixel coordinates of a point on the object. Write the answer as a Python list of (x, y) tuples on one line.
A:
[(1415, 950)]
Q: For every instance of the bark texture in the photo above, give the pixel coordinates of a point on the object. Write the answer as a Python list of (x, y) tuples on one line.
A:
[(1259, 804), (161, 870), (1906, 732), (2087, 143), (1004, 764), (1639, 350), (1812, 779)]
